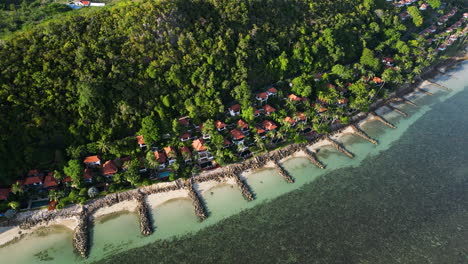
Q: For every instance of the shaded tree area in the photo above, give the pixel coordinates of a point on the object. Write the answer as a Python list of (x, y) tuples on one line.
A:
[(101, 76)]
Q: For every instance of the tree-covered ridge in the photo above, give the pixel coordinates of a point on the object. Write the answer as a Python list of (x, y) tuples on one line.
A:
[(94, 77)]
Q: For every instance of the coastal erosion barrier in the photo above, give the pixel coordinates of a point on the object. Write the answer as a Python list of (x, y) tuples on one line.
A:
[(246, 192), (81, 234), (145, 222), (198, 206), (424, 91), (363, 134), (339, 147), (438, 85), (383, 120), (311, 156), (283, 172), (397, 110)]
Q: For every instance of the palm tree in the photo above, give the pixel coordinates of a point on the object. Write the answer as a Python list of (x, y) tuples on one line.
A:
[(103, 145), (259, 142)]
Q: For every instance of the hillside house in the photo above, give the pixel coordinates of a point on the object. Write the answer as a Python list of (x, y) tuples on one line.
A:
[(88, 175), (50, 182), (171, 154), (268, 110), (235, 110), (186, 154), (272, 91), (185, 137), (244, 127), (92, 161), (269, 125), (4, 193), (262, 97), (220, 126), (109, 168), (141, 141), (237, 136), (161, 158)]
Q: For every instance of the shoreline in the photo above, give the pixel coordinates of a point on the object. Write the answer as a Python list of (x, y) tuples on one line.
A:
[(26, 223)]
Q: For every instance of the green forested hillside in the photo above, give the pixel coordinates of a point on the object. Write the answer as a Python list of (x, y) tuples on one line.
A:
[(94, 76)]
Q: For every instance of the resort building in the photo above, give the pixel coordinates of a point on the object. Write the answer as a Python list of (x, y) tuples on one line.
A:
[(244, 127), (220, 126), (272, 91), (161, 158), (235, 110), (50, 182), (237, 136), (4, 193), (185, 137), (186, 154), (268, 109), (171, 154), (262, 97), (269, 125), (92, 161), (109, 169), (88, 175), (141, 141)]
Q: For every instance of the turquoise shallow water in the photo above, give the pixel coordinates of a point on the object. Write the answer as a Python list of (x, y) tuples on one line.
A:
[(370, 209)]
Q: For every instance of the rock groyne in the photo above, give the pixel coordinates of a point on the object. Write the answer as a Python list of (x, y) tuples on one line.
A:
[(246, 192), (383, 120), (397, 110), (81, 234), (198, 206), (145, 221), (339, 147), (312, 158), (424, 91), (440, 86), (283, 172), (363, 134)]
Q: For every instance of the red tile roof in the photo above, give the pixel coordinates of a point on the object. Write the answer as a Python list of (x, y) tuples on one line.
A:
[(140, 140), (263, 95), (49, 180), (184, 121), (290, 120), (227, 142), (237, 134), (185, 135), (235, 108), (260, 130), (109, 168), (170, 152), (301, 116), (32, 180), (272, 90), (91, 159), (268, 109), (185, 150), (242, 124), (256, 112), (219, 124), (269, 125), (294, 97), (160, 156), (199, 145), (4, 193), (377, 80)]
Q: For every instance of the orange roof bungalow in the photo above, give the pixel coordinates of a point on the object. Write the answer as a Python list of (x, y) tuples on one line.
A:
[(294, 98), (237, 135), (92, 161), (220, 126), (268, 109), (272, 91), (269, 125), (262, 97), (342, 102), (160, 157), (261, 132), (185, 137), (242, 125), (109, 168), (256, 113), (199, 145), (33, 181), (171, 154), (4, 193), (185, 121), (50, 182), (141, 141), (226, 142), (377, 80), (235, 110), (88, 175), (289, 120), (301, 117)]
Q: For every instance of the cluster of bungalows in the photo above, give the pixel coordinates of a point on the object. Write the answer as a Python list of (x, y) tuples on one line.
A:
[(403, 2), (453, 37), (447, 16)]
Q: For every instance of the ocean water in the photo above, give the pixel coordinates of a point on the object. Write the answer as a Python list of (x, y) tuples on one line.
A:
[(402, 201)]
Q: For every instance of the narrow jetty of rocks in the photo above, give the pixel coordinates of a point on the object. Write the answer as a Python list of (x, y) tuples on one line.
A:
[(438, 85), (407, 101), (363, 134), (424, 91), (81, 235), (383, 120), (283, 172), (339, 147), (197, 203), (243, 187), (397, 110), (312, 158), (145, 222)]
